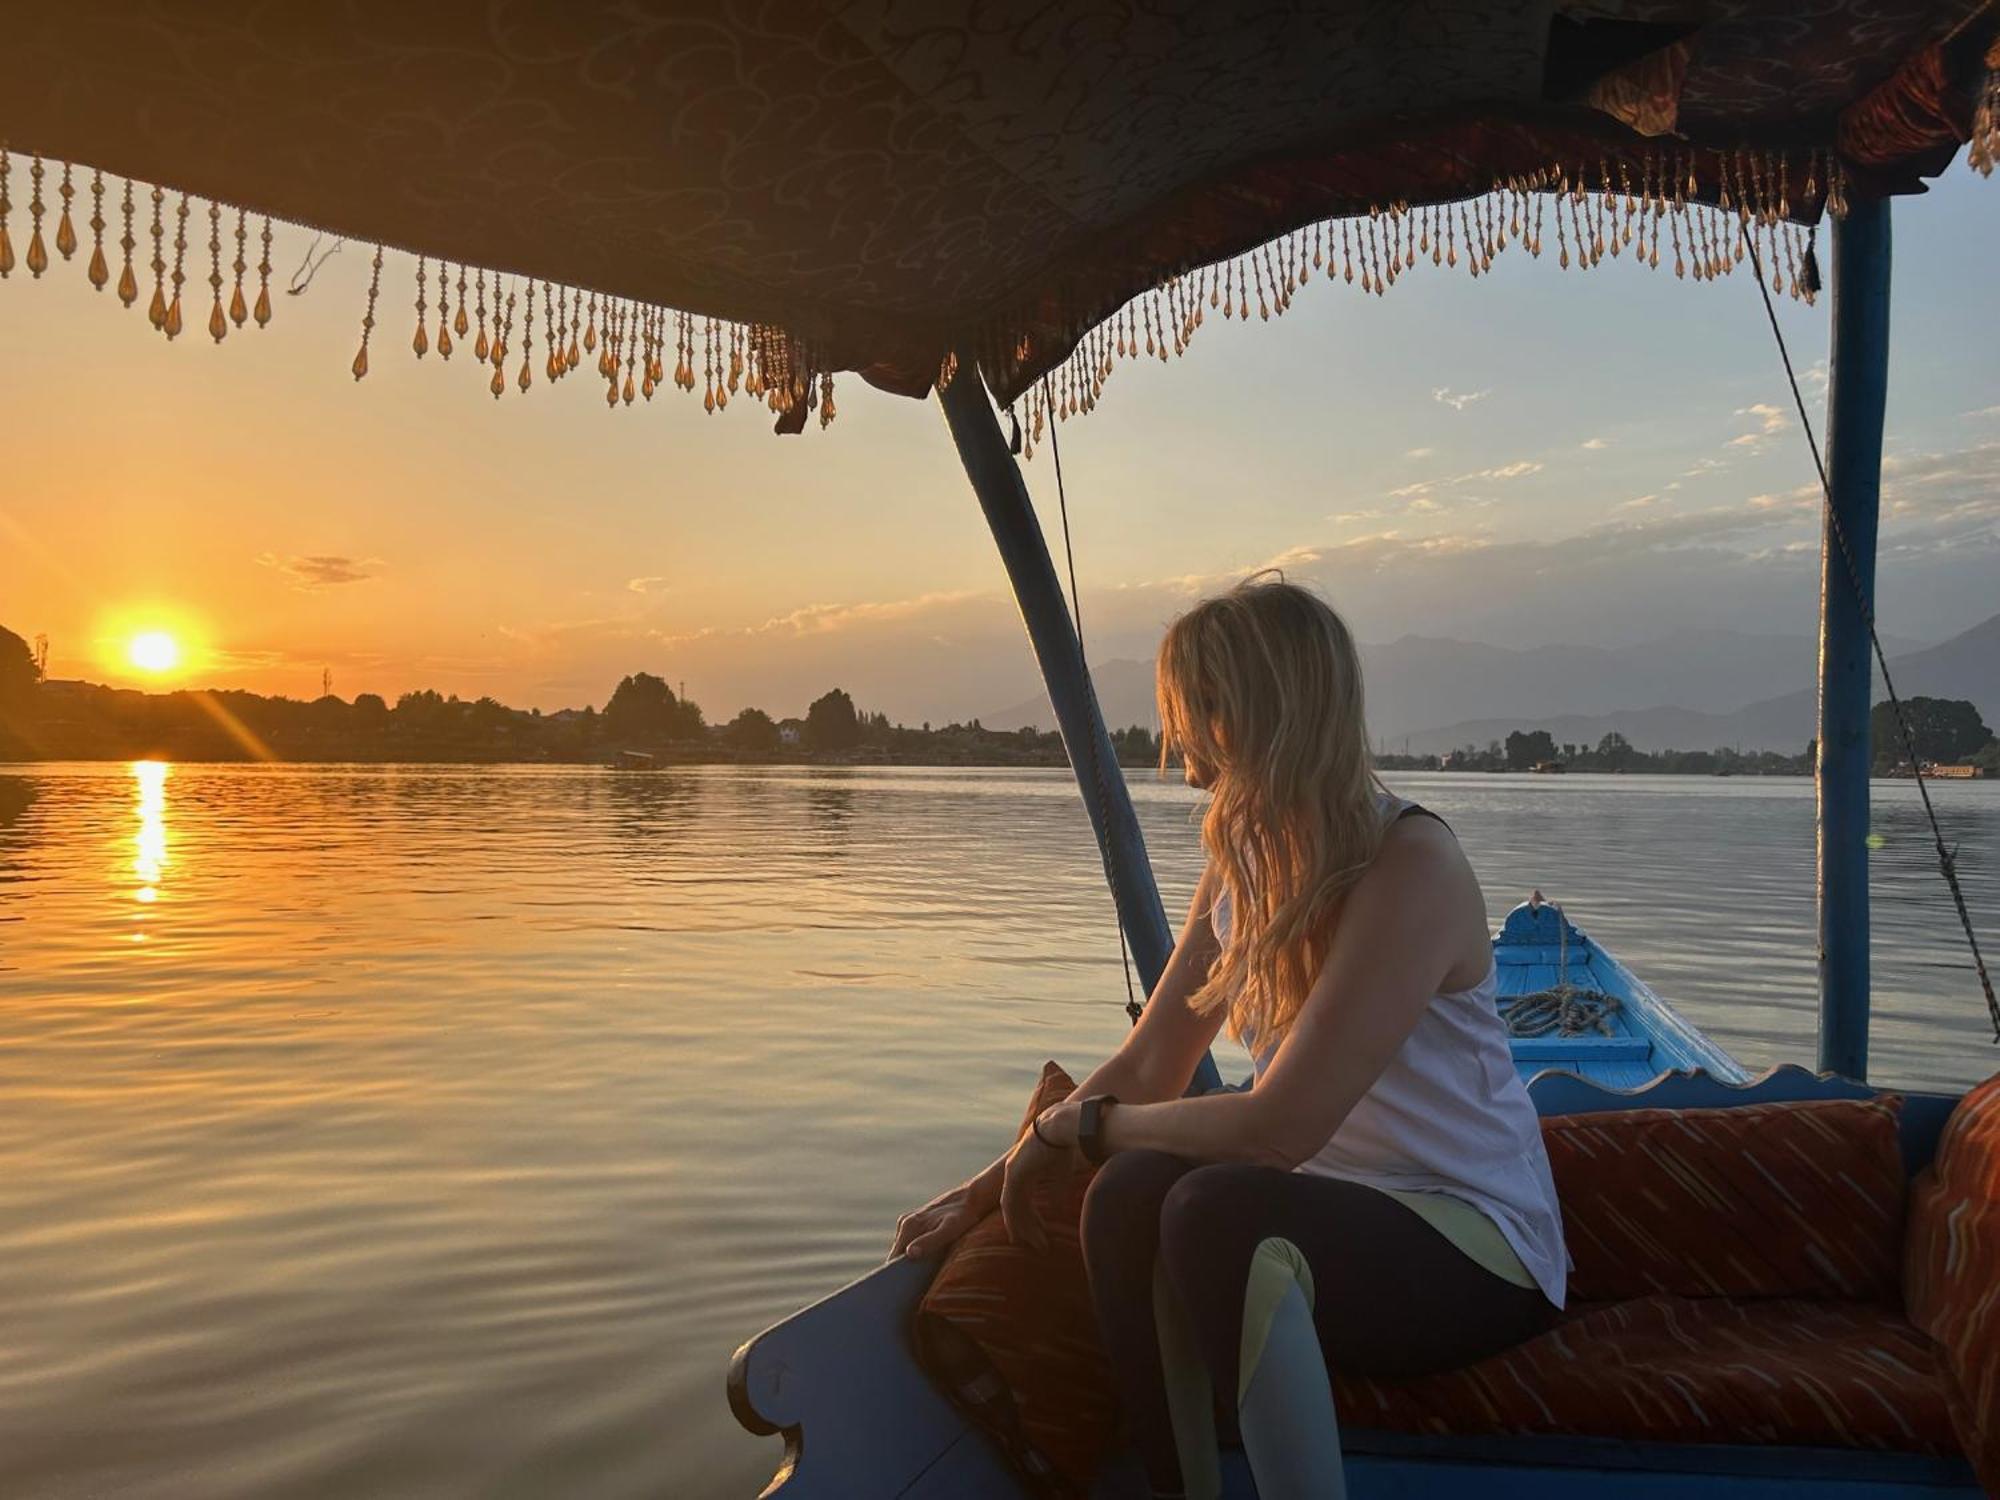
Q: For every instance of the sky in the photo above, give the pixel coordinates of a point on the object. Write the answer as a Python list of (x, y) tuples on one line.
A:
[(1537, 455)]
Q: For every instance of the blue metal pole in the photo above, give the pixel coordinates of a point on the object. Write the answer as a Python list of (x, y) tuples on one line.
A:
[(1010, 513), (1857, 395)]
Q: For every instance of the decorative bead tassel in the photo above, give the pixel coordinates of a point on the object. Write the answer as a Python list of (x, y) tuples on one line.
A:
[(525, 379), (444, 307), (481, 349), (128, 280), (38, 253), (262, 313), (65, 230), (100, 269), (420, 340), (172, 326), (239, 308), (360, 365), (6, 244), (218, 321), (157, 312)]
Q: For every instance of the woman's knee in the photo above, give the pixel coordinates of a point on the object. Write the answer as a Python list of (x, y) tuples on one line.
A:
[(1124, 1198), (1204, 1216)]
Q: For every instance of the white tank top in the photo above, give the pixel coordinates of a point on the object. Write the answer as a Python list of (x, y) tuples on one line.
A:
[(1450, 1115)]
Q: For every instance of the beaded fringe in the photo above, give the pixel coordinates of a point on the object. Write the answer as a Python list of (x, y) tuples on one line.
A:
[(1598, 212), (164, 311), (1647, 207), (631, 340)]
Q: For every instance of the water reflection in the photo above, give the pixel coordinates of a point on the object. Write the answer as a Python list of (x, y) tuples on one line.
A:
[(149, 859), (16, 792), (831, 807), (647, 804)]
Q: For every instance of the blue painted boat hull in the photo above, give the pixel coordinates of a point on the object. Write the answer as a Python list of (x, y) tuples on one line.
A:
[(1538, 946)]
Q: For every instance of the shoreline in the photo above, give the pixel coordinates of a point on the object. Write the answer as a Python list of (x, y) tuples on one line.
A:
[(670, 760)]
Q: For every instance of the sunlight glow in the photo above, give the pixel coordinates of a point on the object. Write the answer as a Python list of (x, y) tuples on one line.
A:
[(150, 842), (154, 651)]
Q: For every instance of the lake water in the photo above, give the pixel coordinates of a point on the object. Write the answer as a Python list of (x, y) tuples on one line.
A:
[(432, 1131)]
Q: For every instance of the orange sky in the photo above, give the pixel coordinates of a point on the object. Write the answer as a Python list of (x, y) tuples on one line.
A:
[(1536, 455)]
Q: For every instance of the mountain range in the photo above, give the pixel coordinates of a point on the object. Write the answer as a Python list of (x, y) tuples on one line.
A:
[(1692, 690)]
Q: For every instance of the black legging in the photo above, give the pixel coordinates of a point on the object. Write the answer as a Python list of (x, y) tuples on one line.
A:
[(1392, 1296)]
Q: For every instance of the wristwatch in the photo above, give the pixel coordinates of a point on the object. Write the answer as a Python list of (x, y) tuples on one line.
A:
[(1090, 1127)]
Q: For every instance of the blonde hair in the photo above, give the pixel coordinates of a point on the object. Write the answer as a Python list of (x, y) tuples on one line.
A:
[(1260, 688)]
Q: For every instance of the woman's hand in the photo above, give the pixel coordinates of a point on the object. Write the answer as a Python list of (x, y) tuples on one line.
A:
[(940, 1223), (1045, 1152)]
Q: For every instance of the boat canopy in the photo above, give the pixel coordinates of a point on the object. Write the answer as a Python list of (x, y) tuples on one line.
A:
[(747, 195)]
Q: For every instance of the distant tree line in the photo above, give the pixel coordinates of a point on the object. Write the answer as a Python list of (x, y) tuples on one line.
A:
[(1945, 731), (85, 721)]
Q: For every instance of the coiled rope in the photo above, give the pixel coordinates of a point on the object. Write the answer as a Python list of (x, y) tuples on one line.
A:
[(1566, 1009)]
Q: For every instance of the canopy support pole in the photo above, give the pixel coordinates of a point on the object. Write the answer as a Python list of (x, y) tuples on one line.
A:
[(1857, 396), (1010, 513)]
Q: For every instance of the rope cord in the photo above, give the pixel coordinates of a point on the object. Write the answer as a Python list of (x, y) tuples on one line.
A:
[(1566, 1009), (1947, 855), (1105, 848)]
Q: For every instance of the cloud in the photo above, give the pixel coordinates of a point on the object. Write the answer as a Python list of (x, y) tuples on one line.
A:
[(1444, 395), (1770, 421), (823, 619), (1593, 444), (321, 571), (1422, 496), (1639, 502), (1982, 412), (1515, 470), (649, 585), (1427, 452)]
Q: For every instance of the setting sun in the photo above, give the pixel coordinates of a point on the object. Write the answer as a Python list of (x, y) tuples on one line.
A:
[(154, 651)]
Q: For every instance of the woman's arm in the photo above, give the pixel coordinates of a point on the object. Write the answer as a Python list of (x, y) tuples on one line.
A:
[(1155, 1061), (1413, 925)]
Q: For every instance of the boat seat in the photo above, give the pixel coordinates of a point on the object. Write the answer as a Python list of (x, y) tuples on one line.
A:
[(1786, 1371)]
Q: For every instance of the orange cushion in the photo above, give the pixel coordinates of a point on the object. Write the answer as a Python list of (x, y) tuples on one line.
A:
[(1757, 1200), (1009, 1334), (1951, 1274), (1689, 1370)]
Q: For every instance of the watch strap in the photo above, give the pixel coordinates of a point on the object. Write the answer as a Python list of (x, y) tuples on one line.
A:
[(1090, 1127)]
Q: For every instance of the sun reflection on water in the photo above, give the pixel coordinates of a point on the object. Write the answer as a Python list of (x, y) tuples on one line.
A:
[(149, 844)]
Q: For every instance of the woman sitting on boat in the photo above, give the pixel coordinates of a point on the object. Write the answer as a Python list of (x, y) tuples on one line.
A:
[(1378, 1201)]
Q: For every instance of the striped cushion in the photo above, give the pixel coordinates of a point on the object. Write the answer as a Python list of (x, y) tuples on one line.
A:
[(1760, 1200), (1690, 1370), (1952, 1270), (1009, 1335)]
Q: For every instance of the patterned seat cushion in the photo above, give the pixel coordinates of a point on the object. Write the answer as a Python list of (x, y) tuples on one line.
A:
[(1762, 1200), (1009, 1334), (1952, 1270), (1689, 1370)]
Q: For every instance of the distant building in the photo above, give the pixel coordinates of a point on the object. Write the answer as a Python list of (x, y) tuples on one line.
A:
[(791, 731)]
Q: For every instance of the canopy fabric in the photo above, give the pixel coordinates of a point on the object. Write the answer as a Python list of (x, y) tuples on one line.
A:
[(889, 181)]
